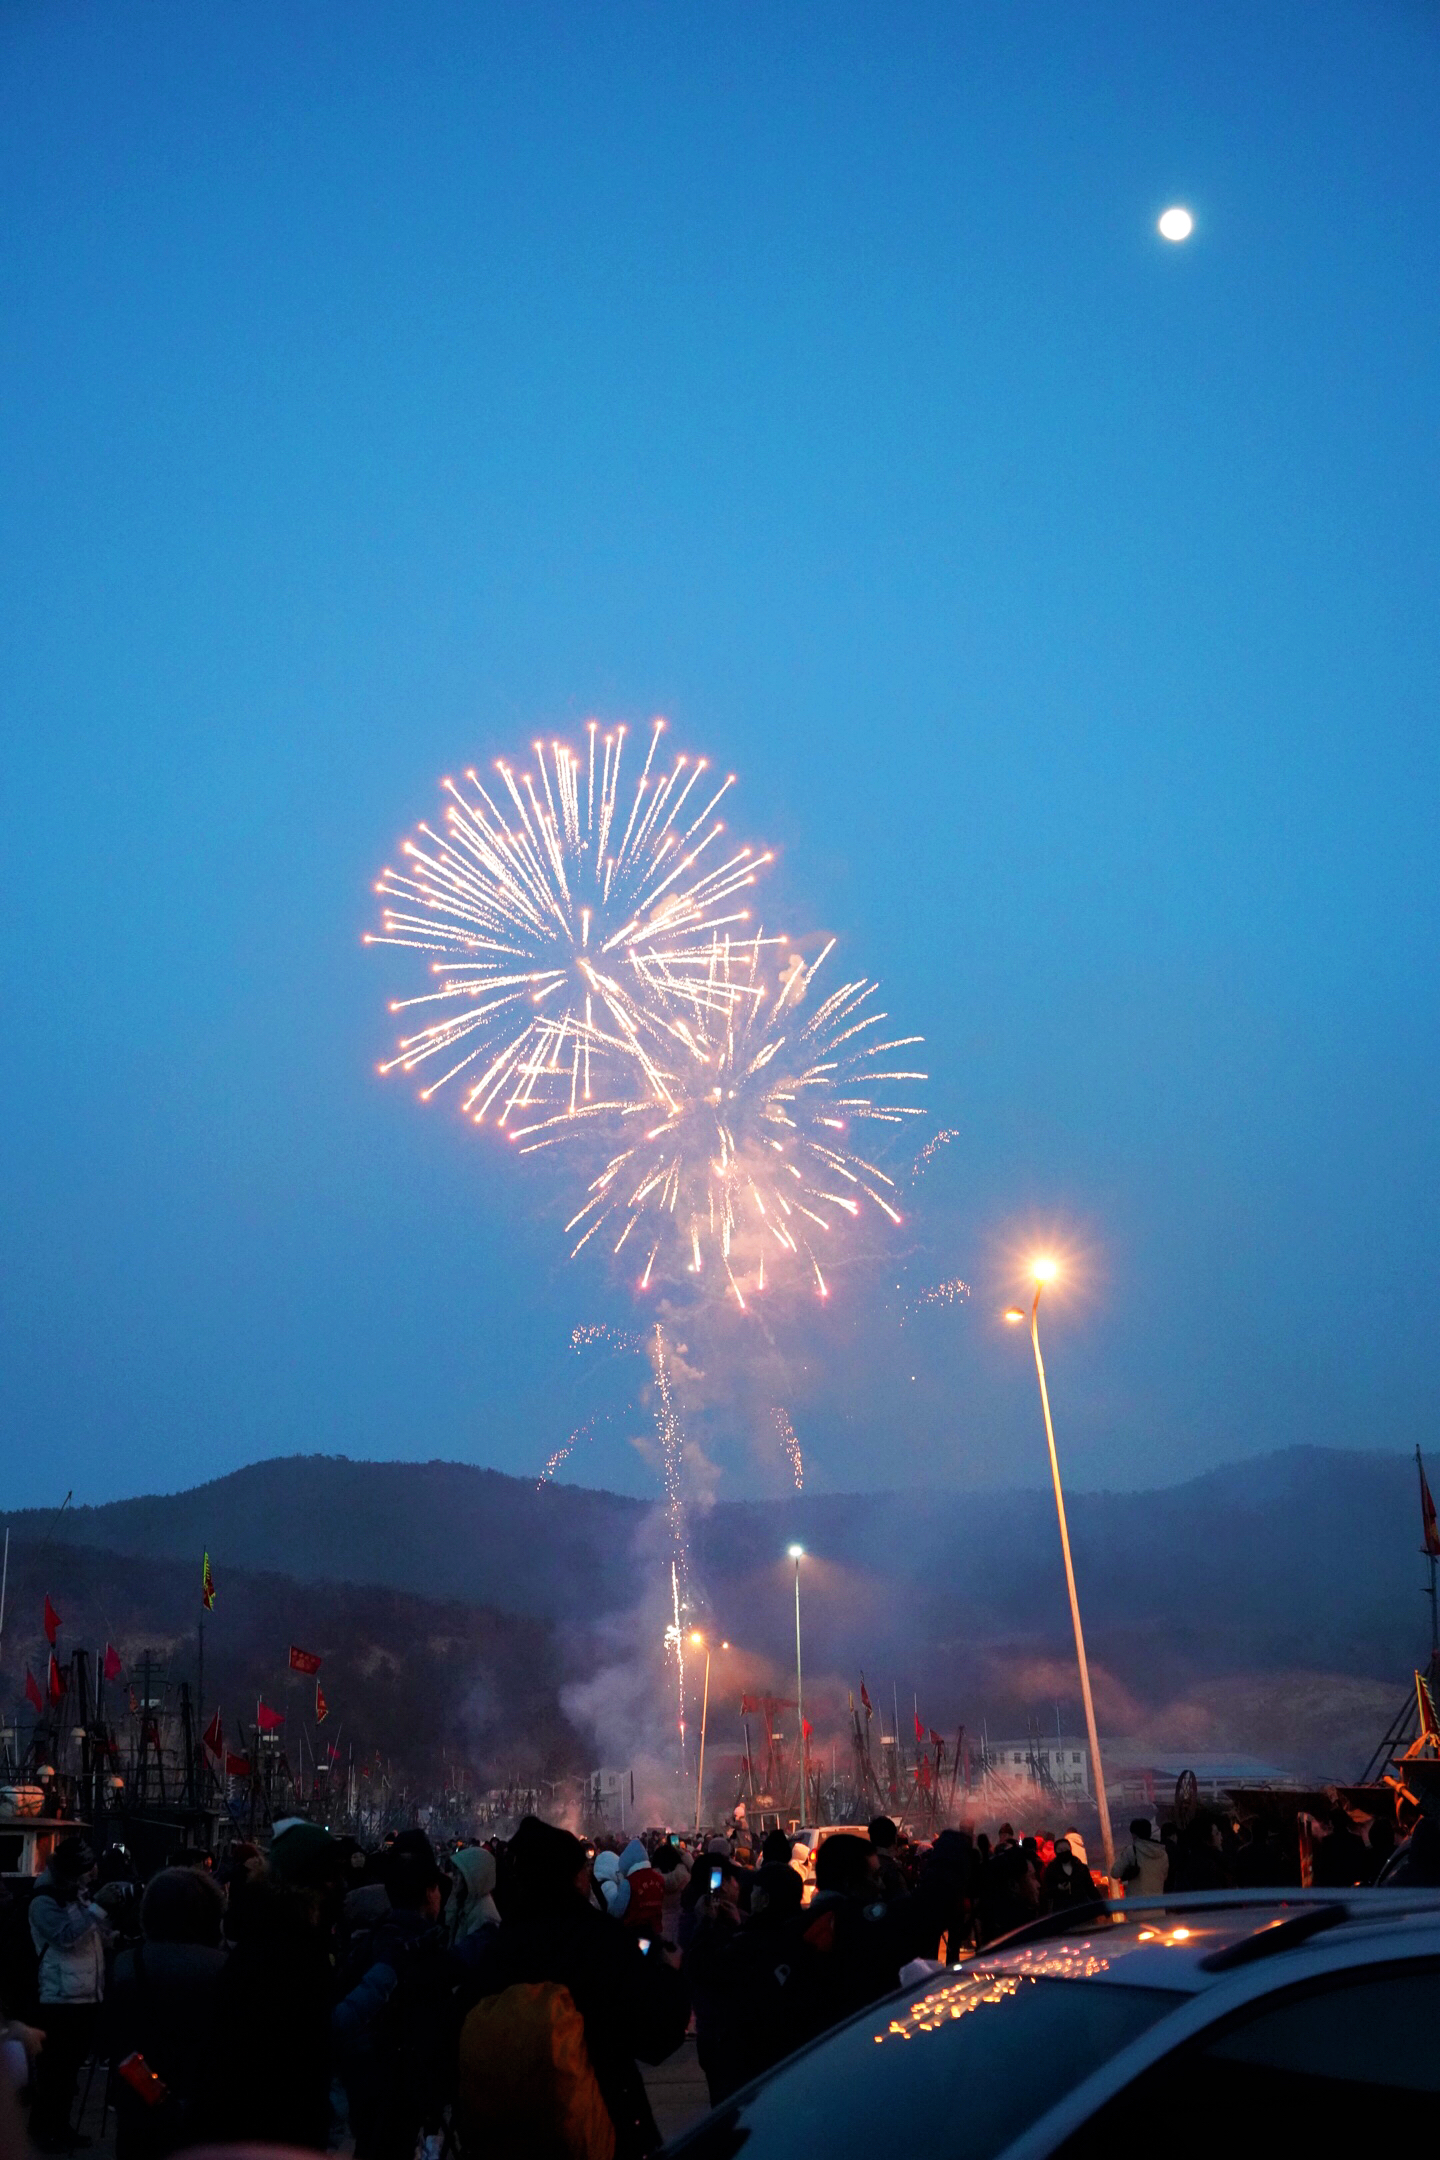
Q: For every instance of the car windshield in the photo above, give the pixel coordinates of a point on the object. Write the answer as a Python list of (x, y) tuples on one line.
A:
[(971, 2062)]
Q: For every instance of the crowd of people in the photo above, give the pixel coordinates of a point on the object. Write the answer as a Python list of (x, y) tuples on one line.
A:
[(503, 1997)]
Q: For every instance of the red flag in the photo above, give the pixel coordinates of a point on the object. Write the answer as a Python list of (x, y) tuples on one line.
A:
[(57, 1680), (237, 1765), (113, 1667), (207, 1585), (749, 1706), (806, 1727), (303, 1660), (322, 1708), (267, 1719), (214, 1740), (919, 1730), (922, 1775), (936, 1739), (865, 1698), (32, 1693), (1427, 1515), (52, 1622)]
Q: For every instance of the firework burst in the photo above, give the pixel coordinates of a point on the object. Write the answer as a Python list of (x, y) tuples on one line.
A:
[(570, 927), (742, 1154)]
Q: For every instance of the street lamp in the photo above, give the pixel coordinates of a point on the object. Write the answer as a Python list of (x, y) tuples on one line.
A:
[(797, 1554), (1043, 1271), (700, 1643)]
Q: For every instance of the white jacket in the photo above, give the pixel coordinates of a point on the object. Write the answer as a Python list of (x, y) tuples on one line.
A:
[(70, 1940)]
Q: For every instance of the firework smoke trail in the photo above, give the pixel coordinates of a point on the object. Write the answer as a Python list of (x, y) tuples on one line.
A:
[(571, 933), (790, 1441), (672, 1445), (741, 1155)]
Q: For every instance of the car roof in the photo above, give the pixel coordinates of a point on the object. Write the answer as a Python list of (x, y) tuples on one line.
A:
[(1190, 1942)]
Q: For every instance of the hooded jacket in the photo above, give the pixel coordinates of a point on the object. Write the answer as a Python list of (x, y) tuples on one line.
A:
[(69, 1938), (476, 1870)]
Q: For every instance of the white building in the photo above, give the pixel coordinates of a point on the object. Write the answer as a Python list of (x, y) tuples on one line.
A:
[(1061, 1762)]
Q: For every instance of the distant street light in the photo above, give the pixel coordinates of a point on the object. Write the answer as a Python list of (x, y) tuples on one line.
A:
[(700, 1643), (797, 1554), (1043, 1271)]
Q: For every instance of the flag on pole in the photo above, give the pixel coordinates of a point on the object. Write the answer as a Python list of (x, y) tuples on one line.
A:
[(32, 1693), (207, 1585), (806, 1728), (303, 1660), (865, 1698), (237, 1765), (936, 1739), (267, 1719), (919, 1730), (112, 1668), (214, 1737), (1428, 1523), (322, 1708), (749, 1706), (57, 1680), (52, 1622)]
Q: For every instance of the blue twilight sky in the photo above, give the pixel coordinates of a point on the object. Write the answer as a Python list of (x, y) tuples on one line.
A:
[(382, 384)]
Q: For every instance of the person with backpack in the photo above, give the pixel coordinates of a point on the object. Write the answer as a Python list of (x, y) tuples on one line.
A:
[(70, 1936), (394, 2027), (556, 2010)]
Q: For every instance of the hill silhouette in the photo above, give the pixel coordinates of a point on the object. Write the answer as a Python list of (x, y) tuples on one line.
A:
[(1271, 1603)]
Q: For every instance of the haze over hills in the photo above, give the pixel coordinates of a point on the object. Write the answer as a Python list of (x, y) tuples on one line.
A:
[(1270, 1607)]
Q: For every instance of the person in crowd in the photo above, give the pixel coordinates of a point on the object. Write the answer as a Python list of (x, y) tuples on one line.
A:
[(1415, 1862), (945, 1892), (1143, 1864), (1198, 1861), (645, 1912), (885, 1837), (473, 1905), (1067, 1881), (1009, 1893), (393, 2028), (117, 1893), (673, 1868), (162, 2007), (70, 1935), (776, 1849), (269, 2076), (1342, 1860), (610, 1885), (755, 1982), (860, 1939), (554, 1959)]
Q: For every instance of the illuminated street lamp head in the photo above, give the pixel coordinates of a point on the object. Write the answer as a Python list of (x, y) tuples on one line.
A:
[(698, 1639), (1044, 1270), (1013, 1314), (724, 1646), (796, 1552)]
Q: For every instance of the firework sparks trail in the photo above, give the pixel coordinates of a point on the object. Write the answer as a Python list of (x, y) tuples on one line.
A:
[(675, 1639), (931, 1149), (582, 1432), (591, 1336), (571, 934), (740, 1154), (790, 1441), (953, 1292)]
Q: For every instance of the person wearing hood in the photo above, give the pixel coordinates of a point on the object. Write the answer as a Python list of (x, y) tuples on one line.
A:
[(475, 1906), (1066, 1882), (631, 2004), (674, 1869), (70, 1937), (645, 1913), (1143, 1864), (612, 1890)]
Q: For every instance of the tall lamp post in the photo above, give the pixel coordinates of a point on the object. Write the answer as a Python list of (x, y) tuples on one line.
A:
[(700, 1643), (797, 1554), (1045, 1271)]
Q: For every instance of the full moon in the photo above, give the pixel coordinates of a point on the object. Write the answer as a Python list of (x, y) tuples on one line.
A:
[(1176, 224)]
